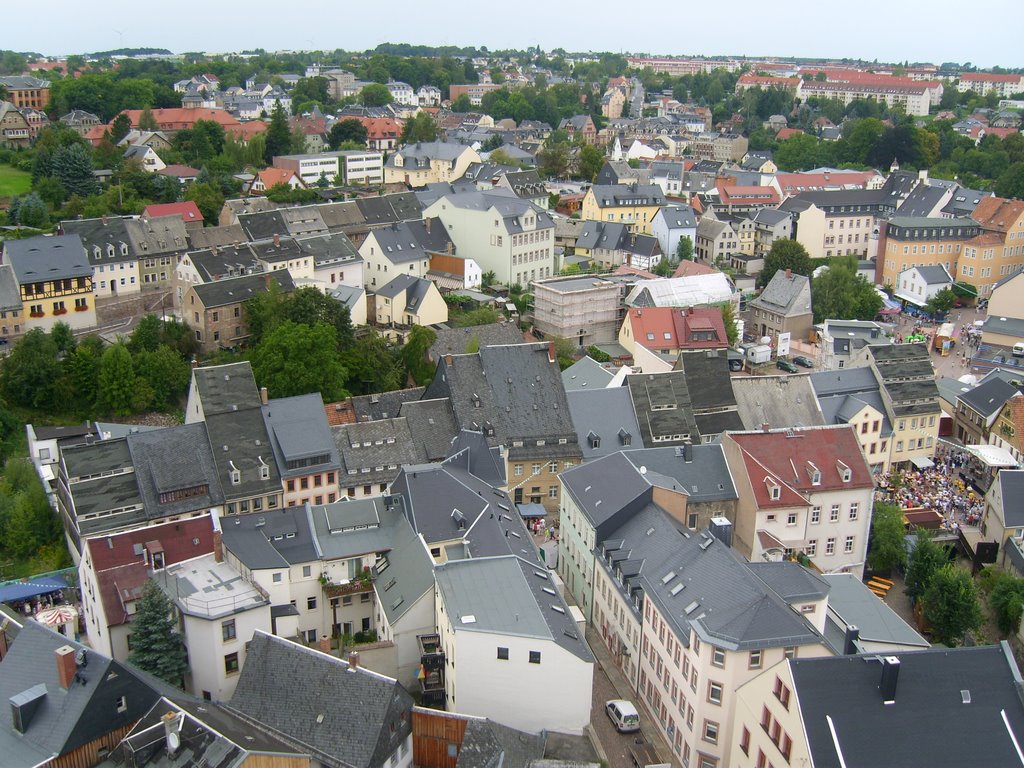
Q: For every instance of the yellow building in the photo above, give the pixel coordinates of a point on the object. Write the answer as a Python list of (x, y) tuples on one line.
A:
[(999, 250), (631, 204), (431, 162), (54, 278), (921, 242)]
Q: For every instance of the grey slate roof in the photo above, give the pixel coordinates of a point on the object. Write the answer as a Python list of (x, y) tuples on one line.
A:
[(854, 604), (663, 407), (615, 236), (789, 296), (791, 584), (470, 451), (468, 589), (294, 691), (1011, 487), (710, 387), (934, 275), (99, 233), (623, 194), (419, 155), (383, 405), (407, 241), (224, 388), (372, 452), (431, 425), (206, 237), (157, 235), (298, 431), (10, 293), (677, 217), (586, 373), (64, 720), (487, 744), (454, 341), (240, 439), (38, 259), (922, 201), (234, 290), (405, 574), (989, 396), (605, 420), (840, 703), (908, 378), (345, 529), (275, 539), (174, 459), (412, 288), (779, 401)]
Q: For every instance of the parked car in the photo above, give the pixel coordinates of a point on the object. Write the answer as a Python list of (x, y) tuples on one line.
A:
[(803, 362), (785, 365), (623, 715)]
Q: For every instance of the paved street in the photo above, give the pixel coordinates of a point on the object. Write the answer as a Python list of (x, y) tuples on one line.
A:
[(952, 366)]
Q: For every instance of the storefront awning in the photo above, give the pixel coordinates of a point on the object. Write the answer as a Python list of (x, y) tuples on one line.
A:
[(922, 462)]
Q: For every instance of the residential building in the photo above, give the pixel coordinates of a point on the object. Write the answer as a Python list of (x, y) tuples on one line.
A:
[(303, 448), (455, 341), (504, 234), (880, 709), (215, 310), (54, 279), (403, 93), (839, 341), (857, 622), (406, 301), (524, 641), (1008, 430), (804, 491), (919, 285), (80, 121), (70, 705), (717, 241), (1005, 85), (580, 126), (434, 162), (735, 199), (670, 225), (513, 395), (632, 204), (778, 401), (1003, 518), (784, 306), (769, 226), (475, 91), (372, 453), (352, 167), (1002, 225), (853, 396), (187, 210), (906, 243), (721, 147), (15, 132), (838, 222), (978, 408), (269, 178), (612, 244), (403, 248), (914, 97), (111, 253), (428, 96), (580, 308), (605, 418), (667, 331), (26, 91), (527, 185), (145, 156)]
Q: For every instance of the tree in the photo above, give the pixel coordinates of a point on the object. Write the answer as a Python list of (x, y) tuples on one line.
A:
[(1011, 181), (31, 522), (925, 559), (278, 134), (72, 164), (157, 647), (120, 127), (462, 104), (420, 128), (81, 371), (165, 372), (375, 95), (887, 549), (732, 332), (1006, 599), (208, 197), (553, 160), (309, 306), (488, 278), (841, 293), (297, 359), (784, 254), (116, 380), (951, 605), (146, 336), (591, 160), (414, 355), (347, 130), (31, 370), (146, 121), (32, 211), (664, 268), (373, 365), (62, 337), (942, 301), (684, 251)]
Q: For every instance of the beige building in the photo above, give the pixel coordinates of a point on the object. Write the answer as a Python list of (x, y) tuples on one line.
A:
[(216, 311), (632, 204), (906, 242), (784, 306), (998, 251), (584, 309), (434, 162), (838, 222), (407, 301)]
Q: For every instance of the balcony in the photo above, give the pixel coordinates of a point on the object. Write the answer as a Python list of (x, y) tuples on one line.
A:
[(362, 583), (431, 674)]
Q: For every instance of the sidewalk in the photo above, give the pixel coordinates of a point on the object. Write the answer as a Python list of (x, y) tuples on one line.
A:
[(606, 664)]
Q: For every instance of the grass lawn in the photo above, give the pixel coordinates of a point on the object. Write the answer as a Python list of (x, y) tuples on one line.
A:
[(13, 181)]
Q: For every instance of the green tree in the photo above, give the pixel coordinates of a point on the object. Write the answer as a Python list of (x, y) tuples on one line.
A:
[(925, 559), (116, 380), (278, 134), (375, 95), (208, 197), (50, 191), (784, 254), (32, 211), (309, 306), (373, 365), (31, 370), (157, 647), (553, 160), (591, 160), (264, 312), (31, 522), (462, 104), (942, 301), (297, 359), (1006, 599), (81, 371), (841, 293), (732, 332), (63, 338), (165, 372), (120, 127), (347, 130), (414, 354), (664, 268), (951, 605), (1011, 181), (420, 128), (684, 251), (146, 121), (146, 336), (887, 549), (72, 165)]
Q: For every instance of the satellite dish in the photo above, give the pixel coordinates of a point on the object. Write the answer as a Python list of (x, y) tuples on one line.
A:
[(173, 742)]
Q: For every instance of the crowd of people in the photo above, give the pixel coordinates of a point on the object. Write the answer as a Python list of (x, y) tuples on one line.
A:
[(940, 488)]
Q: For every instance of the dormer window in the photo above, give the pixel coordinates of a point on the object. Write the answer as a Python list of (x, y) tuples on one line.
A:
[(814, 473), (844, 471), (264, 472), (774, 489), (236, 474), (110, 251), (124, 249)]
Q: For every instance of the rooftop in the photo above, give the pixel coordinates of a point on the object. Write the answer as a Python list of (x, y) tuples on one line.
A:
[(205, 588)]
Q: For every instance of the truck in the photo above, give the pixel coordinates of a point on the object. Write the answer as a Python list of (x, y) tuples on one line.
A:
[(944, 340)]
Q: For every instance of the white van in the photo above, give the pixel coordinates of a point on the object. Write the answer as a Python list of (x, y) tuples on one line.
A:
[(623, 715), (1018, 349)]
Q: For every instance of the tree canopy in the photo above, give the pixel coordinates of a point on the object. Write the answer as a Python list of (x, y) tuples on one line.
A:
[(951, 605), (841, 293), (295, 359), (886, 549), (157, 648), (783, 255)]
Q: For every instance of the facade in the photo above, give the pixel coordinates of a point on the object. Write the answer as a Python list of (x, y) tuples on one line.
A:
[(303, 448), (670, 225), (435, 162), (1005, 86), (919, 285), (216, 310), (55, 281), (403, 248), (15, 131), (1002, 226), (853, 396), (804, 490), (784, 306), (583, 308), (406, 301), (632, 204), (839, 222), (612, 244), (905, 243), (27, 91), (915, 98), (668, 331), (352, 167)]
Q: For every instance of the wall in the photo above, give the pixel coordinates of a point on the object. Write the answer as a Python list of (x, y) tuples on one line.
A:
[(751, 700), (207, 649), (417, 620)]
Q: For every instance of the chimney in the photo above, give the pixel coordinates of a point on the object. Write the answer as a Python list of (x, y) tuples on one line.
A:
[(195, 363), (789, 274), (353, 660), (721, 529), (551, 352), (890, 674), (66, 667), (218, 547), (172, 725), (764, 426), (277, 241), (104, 220), (426, 224), (447, 359), (325, 644), (850, 643), (264, 398)]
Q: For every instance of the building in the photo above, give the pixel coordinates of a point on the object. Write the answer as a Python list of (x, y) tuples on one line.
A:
[(667, 331), (977, 409), (838, 222), (525, 641), (839, 341), (27, 91), (784, 306), (1002, 224), (80, 121), (881, 709), (352, 167), (854, 396), (1003, 518), (433, 162), (581, 126), (632, 204), (475, 91), (403, 248), (919, 285), (15, 131), (804, 491), (604, 417), (303, 449), (721, 147), (671, 224), (1008, 430), (55, 281), (406, 301), (905, 243), (914, 97), (216, 310), (1005, 85), (585, 309), (613, 244)]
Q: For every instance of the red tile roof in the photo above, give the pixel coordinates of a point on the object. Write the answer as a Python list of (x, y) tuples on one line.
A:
[(178, 118), (670, 328), (245, 131), (687, 268), (739, 195), (118, 587), (271, 176), (787, 133), (625, 269), (794, 183), (179, 171), (188, 211), (998, 213), (341, 412), (177, 539)]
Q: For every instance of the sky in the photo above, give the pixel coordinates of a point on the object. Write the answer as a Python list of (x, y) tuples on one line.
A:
[(886, 30)]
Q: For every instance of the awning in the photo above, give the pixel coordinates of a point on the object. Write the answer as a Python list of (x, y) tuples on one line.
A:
[(992, 455), (531, 510), (23, 590), (922, 462)]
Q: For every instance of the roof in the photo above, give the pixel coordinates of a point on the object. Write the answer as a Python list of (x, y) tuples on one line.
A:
[(988, 398), (614, 195), (934, 275), (997, 214), (209, 588), (10, 293), (853, 604), (586, 373), (224, 388), (406, 574), (778, 401), (455, 341), (1011, 489), (615, 236), (414, 289), (847, 722), (277, 539), (175, 459), (39, 259), (844, 393), (64, 719), (605, 420), (407, 241), (234, 290), (431, 426), (293, 691), (299, 435), (792, 584), (372, 451), (689, 291), (663, 407), (188, 211), (789, 295), (530, 606), (669, 328)]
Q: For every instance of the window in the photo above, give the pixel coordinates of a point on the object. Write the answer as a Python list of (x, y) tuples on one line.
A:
[(518, 469), (854, 510), (227, 630), (503, 653), (754, 661), (789, 652), (833, 514), (718, 657), (307, 571), (815, 515), (122, 704), (231, 663), (848, 545), (812, 548), (311, 603), (830, 545), (276, 578), (781, 692), (791, 519), (535, 657), (711, 731), (745, 741), (715, 692)]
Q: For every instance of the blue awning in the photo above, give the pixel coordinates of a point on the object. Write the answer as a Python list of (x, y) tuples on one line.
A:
[(23, 590), (531, 510)]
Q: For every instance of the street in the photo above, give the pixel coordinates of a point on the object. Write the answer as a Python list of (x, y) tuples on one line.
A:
[(952, 366)]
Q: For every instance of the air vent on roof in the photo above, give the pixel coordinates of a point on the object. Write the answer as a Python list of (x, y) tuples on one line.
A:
[(650, 531), (469, 618), (549, 590), (541, 575), (965, 696), (558, 609)]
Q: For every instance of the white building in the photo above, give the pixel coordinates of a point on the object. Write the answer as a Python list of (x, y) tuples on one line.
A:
[(514, 654), (670, 225), (403, 93), (353, 167), (919, 285), (428, 96)]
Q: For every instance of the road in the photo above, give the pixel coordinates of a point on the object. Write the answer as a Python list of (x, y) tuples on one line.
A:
[(954, 365)]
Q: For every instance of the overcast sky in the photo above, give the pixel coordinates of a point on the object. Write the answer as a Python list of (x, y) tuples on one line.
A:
[(887, 30)]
